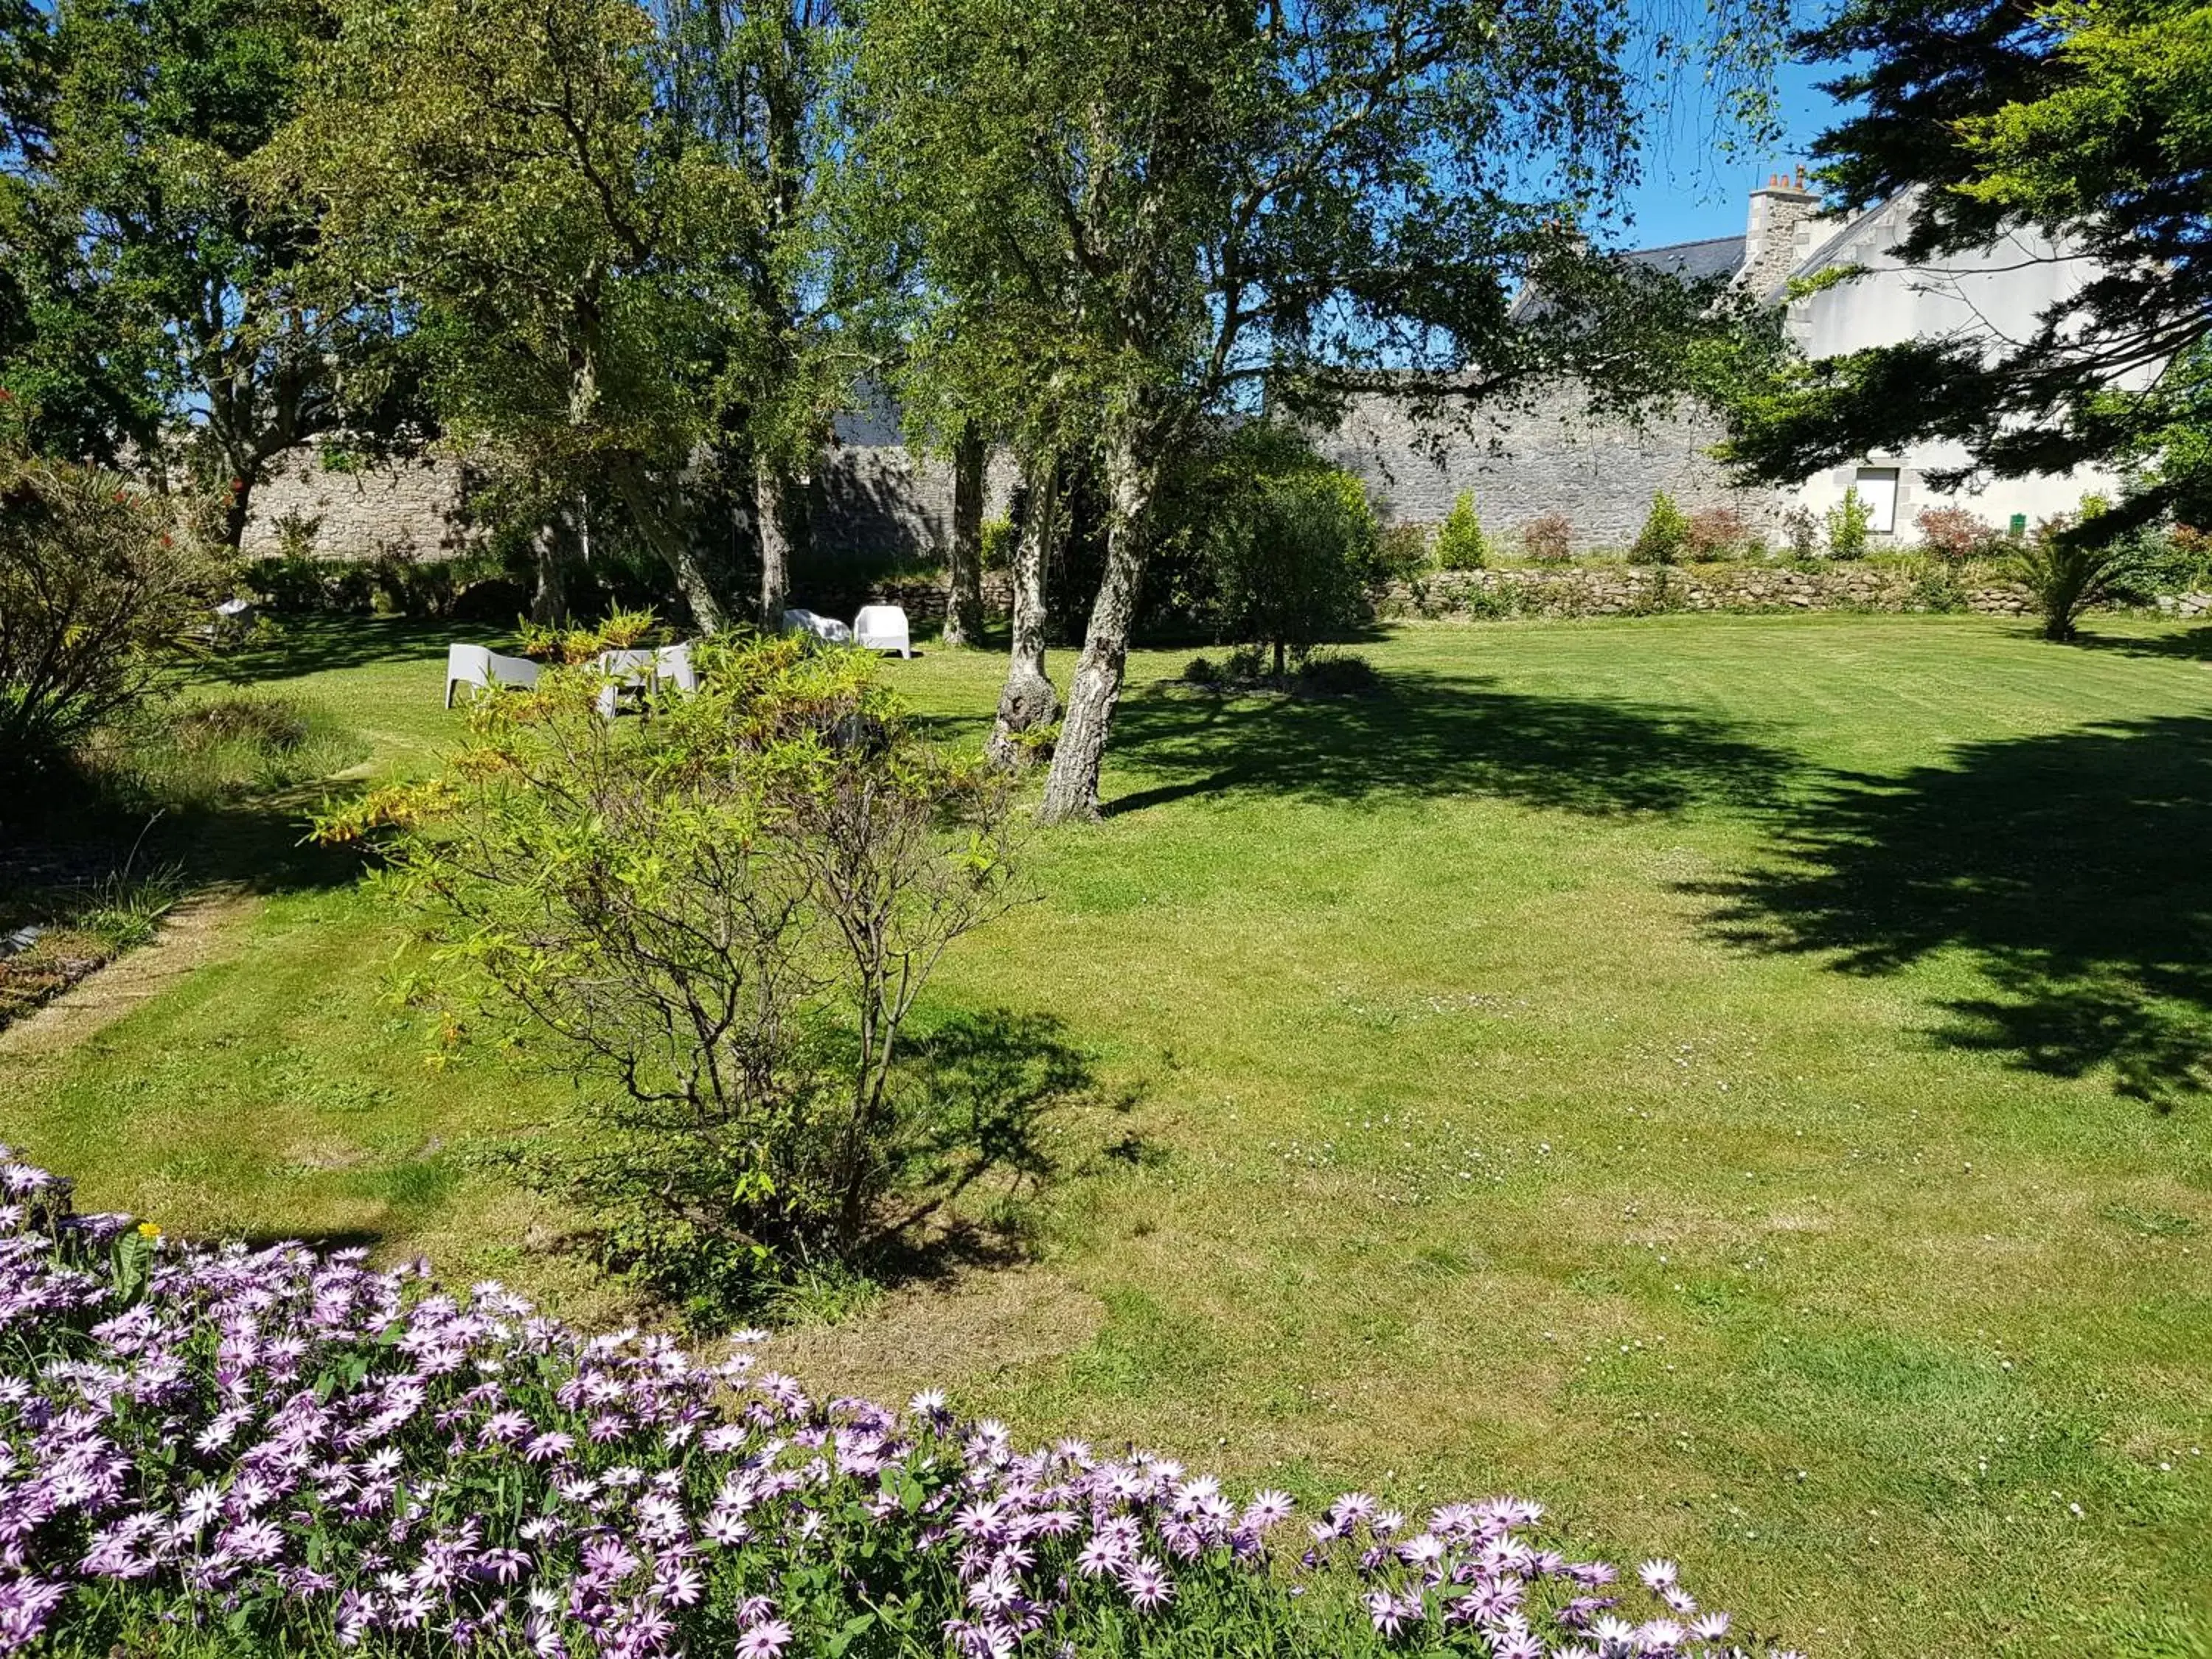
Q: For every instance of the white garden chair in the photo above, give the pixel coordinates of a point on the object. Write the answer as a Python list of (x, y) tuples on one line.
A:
[(627, 671), (883, 627), (828, 628), (475, 664), (673, 663)]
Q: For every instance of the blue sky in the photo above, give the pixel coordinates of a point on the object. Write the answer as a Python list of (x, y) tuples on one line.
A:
[(1691, 189)]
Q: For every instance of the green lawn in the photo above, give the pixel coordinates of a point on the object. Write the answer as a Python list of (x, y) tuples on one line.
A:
[(1722, 1076)]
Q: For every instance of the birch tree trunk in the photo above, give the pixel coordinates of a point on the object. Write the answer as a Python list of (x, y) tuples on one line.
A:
[(1028, 699), (1071, 789), (964, 602)]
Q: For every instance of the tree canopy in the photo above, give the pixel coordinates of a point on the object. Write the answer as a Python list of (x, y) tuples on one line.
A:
[(2085, 124)]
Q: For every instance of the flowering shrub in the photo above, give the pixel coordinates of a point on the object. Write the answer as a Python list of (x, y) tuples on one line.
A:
[(1955, 533), (273, 1450)]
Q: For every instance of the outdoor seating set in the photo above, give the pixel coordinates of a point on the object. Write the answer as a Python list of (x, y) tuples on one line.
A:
[(633, 674)]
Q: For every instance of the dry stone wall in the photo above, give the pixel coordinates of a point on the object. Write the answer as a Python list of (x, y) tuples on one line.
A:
[(1615, 591), (408, 511)]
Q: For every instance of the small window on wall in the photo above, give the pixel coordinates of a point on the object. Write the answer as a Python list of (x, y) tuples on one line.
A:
[(1877, 488)]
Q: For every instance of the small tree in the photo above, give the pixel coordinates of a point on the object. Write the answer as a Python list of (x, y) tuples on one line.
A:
[(717, 920), (99, 580), (1666, 533), (2068, 568), (1461, 543), (1850, 523), (1298, 569)]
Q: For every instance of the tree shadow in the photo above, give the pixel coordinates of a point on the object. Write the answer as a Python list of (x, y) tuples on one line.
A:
[(2192, 644), (1424, 735), (2071, 866), (314, 644), (984, 1090)]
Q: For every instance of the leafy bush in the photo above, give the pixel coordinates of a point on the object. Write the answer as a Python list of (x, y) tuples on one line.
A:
[(1295, 568), (1955, 533), (1549, 539), (1266, 542), (101, 581), (717, 919), (1719, 532), (1401, 552), (1461, 543), (2156, 563), (296, 583), (1337, 674), (1850, 522), (274, 1451), (1665, 535), (1000, 536), (618, 630)]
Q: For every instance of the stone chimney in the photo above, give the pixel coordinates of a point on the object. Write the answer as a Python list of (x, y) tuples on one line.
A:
[(1779, 232)]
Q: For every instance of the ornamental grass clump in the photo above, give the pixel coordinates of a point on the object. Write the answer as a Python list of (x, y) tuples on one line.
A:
[(230, 1450)]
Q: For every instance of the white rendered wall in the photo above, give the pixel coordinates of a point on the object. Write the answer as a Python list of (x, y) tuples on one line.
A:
[(1996, 297)]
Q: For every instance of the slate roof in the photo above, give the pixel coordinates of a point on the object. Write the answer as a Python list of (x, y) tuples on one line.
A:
[(1692, 262)]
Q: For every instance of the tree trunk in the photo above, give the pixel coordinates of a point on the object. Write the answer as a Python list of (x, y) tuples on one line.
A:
[(778, 524), (1071, 790), (1028, 699), (556, 555), (702, 587), (236, 509), (964, 602)]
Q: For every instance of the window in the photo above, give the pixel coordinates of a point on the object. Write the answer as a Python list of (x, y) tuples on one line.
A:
[(1877, 488)]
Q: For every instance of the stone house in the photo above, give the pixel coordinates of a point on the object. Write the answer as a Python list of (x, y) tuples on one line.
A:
[(1549, 456)]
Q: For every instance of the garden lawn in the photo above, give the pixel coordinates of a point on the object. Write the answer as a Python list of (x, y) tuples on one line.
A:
[(1723, 1077)]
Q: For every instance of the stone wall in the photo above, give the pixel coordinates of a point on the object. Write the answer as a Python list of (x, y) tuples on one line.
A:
[(1550, 455), (1617, 590), (409, 511), (872, 499)]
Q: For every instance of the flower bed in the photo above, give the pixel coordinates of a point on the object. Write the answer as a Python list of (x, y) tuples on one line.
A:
[(227, 1450)]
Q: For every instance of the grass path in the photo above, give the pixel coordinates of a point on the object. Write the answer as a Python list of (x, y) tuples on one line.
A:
[(1719, 1075)]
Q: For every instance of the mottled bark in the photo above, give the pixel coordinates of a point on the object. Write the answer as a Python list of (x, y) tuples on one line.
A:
[(1028, 699), (557, 560), (1071, 789), (963, 606)]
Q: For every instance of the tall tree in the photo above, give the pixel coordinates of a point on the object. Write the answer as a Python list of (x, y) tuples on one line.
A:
[(593, 214), (152, 293), (1215, 205), (2083, 124)]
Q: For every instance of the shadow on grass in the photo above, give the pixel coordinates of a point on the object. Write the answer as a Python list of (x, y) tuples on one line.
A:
[(311, 645), (2192, 644), (2071, 867), (1427, 735), (985, 1087)]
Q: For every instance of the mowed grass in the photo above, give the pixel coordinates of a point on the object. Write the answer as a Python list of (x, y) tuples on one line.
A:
[(1723, 1077)]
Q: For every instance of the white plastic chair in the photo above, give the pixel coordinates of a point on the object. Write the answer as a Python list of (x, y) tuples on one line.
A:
[(883, 627), (474, 665), (796, 621), (628, 671), (672, 663)]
